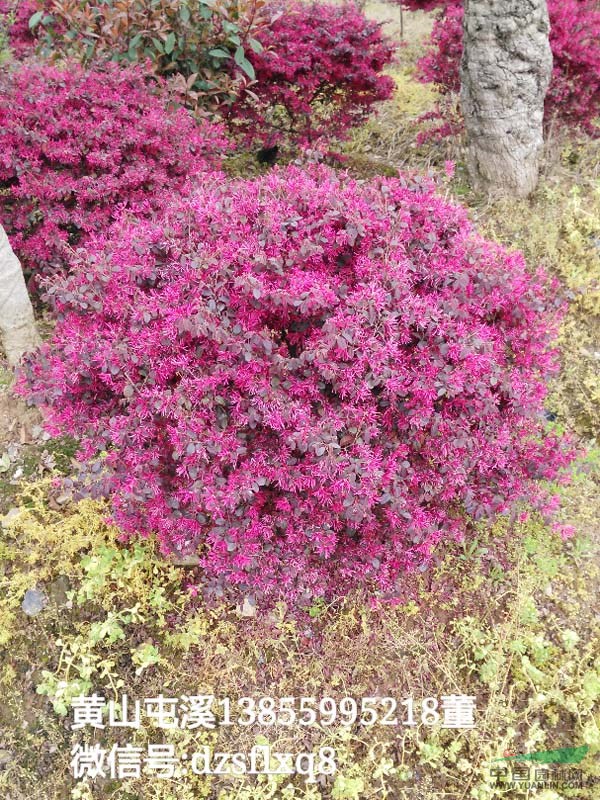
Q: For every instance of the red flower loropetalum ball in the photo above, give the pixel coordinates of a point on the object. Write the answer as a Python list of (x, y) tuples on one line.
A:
[(309, 380), (319, 73), (79, 146)]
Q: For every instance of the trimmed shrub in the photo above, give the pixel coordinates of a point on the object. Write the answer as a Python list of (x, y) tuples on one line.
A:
[(574, 94), (308, 380), (78, 146), (318, 73)]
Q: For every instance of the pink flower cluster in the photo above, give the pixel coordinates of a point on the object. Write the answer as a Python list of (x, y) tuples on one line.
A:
[(421, 5), (306, 379), (78, 146), (574, 94), (319, 73), (441, 64), (18, 12)]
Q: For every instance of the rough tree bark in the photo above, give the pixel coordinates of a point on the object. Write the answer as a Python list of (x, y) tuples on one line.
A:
[(505, 72), (18, 333)]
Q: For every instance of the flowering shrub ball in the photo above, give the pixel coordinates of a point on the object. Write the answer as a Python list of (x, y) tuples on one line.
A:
[(574, 94), (318, 73), (76, 146), (306, 379)]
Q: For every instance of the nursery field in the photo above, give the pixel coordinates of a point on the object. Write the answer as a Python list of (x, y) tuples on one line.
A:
[(449, 624)]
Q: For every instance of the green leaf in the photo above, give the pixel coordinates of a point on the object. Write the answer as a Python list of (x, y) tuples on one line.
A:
[(218, 53), (591, 685), (89, 51), (35, 20), (184, 13), (170, 43), (60, 707), (247, 67), (347, 788), (133, 47), (256, 45), (158, 45), (243, 63)]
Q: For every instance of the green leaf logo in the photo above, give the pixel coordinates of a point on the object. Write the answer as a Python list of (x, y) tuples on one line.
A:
[(565, 755)]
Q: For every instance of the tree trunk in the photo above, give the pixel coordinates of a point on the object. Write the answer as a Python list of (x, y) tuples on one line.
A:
[(18, 333), (505, 72)]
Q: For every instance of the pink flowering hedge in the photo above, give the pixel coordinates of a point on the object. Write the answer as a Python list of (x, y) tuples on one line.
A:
[(574, 94), (318, 74), (76, 147), (308, 380)]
